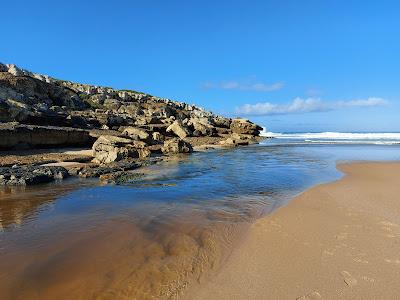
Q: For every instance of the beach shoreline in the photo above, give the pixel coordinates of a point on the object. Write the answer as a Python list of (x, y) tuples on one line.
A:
[(338, 240)]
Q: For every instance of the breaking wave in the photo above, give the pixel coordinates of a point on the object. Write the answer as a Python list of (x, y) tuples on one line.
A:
[(383, 138)]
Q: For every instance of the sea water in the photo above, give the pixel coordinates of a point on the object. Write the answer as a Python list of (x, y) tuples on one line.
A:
[(152, 236)]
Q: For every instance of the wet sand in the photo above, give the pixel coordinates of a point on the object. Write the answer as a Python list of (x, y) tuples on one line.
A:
[(335, 241), (134, 255)]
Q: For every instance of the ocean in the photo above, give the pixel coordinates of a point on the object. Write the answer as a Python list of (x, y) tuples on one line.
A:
[(174, 223)]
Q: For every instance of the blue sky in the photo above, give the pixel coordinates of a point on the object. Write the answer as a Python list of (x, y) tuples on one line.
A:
[(308, 65)]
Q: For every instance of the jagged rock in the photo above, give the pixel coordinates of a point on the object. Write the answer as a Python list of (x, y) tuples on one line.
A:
[(158, 137), (28, 175), (3, 68), (179, 129), (33, 91), (14, 70), (202, 127), (221, 122), (136, 133), (243, 126), (176, 145), (110, 148)]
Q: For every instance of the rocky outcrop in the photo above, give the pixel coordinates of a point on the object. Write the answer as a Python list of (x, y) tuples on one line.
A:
[(137, 133), (120, 125), (108, 148), (178, 129), (175, 146), (36, 99), (243, 126), (202, 127)]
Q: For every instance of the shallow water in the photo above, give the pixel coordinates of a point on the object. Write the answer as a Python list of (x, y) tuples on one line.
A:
[(149, 238)]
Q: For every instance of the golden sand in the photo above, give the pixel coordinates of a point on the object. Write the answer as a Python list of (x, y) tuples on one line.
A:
[(335, 241)]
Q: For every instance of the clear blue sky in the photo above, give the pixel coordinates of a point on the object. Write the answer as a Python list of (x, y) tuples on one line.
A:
[(341, 59)]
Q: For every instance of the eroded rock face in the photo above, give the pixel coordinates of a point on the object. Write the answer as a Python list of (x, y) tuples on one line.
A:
[(33, 91), (243, 126), (179, 129), (221, 122), (37, 99), (176, 145), (136, 133), (14, 135), (202, 127), (110, 148), (127, 124)]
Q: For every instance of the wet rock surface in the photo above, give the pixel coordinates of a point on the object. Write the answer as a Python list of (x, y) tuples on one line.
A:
[(29, 175)]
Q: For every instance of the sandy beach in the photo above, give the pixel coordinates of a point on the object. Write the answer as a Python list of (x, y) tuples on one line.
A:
[(339, 240)]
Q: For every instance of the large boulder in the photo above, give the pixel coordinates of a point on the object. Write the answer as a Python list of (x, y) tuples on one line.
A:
[(109, 148), (202, 127), (179, 129), (243, 126), (136, 133), (176, 145)]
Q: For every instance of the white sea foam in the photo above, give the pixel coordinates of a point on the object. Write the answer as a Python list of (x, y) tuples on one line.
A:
[(383, 138)]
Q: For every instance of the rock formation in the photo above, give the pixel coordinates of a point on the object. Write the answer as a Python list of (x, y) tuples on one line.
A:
[(40, 111)]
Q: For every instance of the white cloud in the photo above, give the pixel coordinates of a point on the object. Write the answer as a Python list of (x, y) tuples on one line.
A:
[(244, 86), (299, 105)]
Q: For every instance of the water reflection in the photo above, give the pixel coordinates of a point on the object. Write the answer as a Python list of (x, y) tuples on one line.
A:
[(150, 238), (19, 204)]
